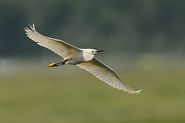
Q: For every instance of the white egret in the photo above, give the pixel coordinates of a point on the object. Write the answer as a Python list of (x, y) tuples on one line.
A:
[(83, 58)]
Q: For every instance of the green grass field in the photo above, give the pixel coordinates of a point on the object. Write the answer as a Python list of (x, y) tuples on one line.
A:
[(60, 96)]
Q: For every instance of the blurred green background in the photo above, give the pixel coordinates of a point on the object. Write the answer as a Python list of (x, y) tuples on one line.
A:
[(143, 41)]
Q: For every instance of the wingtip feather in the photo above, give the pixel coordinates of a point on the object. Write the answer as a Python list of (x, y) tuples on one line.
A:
[(30, 28), (136, 92), (31, 32)]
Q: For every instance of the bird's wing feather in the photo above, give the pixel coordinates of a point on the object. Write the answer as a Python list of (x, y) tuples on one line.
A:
[(106, 74), (59, 47)]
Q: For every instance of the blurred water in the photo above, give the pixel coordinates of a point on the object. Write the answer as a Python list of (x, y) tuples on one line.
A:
[(147, 62)]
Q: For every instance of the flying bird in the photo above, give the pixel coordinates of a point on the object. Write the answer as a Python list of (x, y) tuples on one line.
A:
[(83, 58)]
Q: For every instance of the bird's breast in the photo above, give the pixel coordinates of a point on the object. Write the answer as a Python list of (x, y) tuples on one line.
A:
[(87, 56)]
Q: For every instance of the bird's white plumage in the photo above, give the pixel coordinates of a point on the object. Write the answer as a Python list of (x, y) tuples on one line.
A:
[(106, 74), (88, 54), (60, 47), (95, 67)]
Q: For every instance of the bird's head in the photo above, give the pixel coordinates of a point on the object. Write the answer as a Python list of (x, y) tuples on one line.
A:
[(89, 54), (93, 51)]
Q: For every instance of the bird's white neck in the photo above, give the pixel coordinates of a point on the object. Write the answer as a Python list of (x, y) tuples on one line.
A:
[(88, 56)]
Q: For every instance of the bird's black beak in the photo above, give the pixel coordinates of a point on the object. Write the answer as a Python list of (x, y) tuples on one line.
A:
[(98, 51)]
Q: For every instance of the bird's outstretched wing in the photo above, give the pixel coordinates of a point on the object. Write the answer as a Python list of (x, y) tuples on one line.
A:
[(106, 74), (60, 47)]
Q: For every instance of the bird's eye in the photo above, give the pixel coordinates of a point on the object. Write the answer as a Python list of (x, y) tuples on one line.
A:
[(93, 52)]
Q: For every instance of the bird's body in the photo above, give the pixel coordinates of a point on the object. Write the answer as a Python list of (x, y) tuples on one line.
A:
[(83, 58), (83, 55)]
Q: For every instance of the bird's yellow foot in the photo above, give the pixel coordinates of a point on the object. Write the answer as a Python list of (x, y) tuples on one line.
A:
[(52, 65)]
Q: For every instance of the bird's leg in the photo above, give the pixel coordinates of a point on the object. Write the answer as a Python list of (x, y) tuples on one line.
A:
[(58, 63)]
